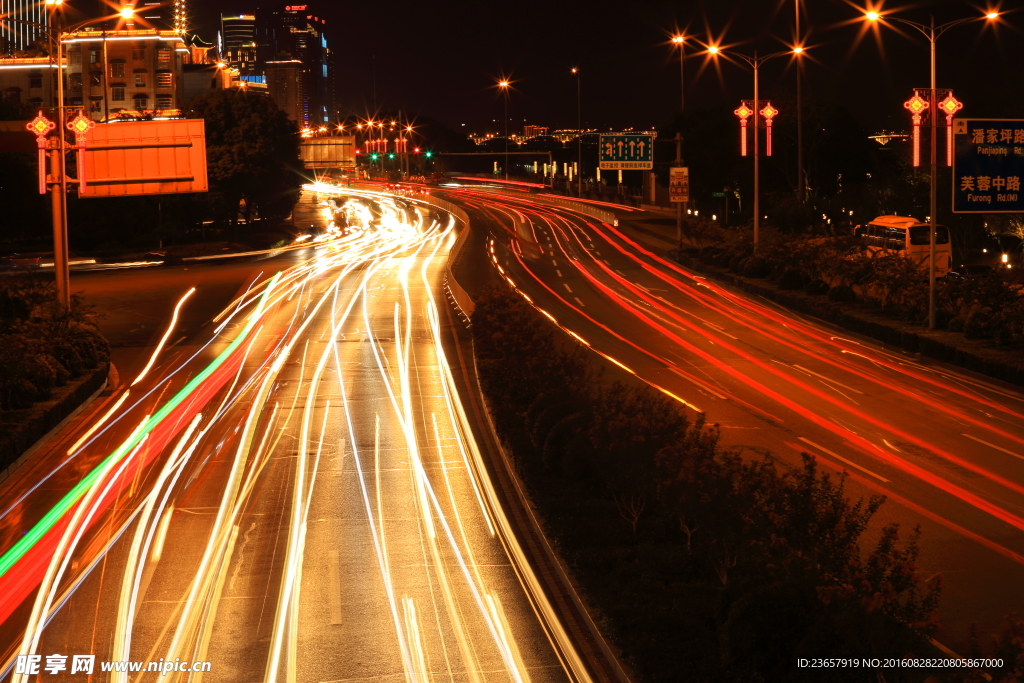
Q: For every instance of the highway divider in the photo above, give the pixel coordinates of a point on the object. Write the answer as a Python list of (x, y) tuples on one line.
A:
[(463, 302)]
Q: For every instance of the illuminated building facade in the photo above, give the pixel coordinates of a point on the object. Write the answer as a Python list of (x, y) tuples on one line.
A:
[(238, 41), (116, 73), (294, 33), (15, 37)]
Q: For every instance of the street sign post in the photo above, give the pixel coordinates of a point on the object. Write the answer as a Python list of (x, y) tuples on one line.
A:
[(988, 164), (679, 184), (627, 151)]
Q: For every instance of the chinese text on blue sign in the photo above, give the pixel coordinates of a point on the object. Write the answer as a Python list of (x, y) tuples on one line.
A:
[(988, 165), (627, 151)]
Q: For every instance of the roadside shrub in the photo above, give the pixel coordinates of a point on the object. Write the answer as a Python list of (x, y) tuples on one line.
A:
[(842, 294), (43, 346), (816, 288), (756, 267), (792, 279)]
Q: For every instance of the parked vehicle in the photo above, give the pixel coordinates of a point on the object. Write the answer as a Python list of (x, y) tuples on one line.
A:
[(909, 237)]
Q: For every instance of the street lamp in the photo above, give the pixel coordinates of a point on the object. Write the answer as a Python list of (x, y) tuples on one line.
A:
[(504, 85), (755, 63), (932, 33), (681, 42), (579, 135)]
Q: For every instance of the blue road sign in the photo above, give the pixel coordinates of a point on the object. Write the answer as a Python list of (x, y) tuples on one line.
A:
[(627, 151), (988, 164)]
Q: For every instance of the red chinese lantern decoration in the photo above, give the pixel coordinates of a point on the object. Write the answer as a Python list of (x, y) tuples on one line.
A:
[(917, 106), (80, 126), (950, 106), (41, 126), (769, 112), (744, 112)]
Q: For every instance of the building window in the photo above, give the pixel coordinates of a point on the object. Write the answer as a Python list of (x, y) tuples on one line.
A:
[(95, 106), (163, 55), (164, 101), (75, 81), (138, 54), (35, 80), (75, 55), (95, 78), (13, 94), (117, 70), (94, 56), (165, 79), (117, 93), (141, 101), (140, 79)]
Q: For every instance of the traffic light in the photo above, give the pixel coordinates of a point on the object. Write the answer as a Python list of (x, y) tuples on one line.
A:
[(391, 155), (374, 156), (429, 154)]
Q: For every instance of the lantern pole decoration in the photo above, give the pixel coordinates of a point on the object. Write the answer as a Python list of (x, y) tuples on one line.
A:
[(917, 105), (41, 126), (744, 112), (769, 112), (80, 126), (950, 106)]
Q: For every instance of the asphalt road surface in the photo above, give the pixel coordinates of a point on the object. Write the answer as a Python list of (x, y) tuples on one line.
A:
[(294, 495), (945, 447)]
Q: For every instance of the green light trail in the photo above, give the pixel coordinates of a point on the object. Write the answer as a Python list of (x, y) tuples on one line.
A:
[(18, 550)]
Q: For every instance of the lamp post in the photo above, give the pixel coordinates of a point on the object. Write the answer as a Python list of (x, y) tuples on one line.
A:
[(504, 84), (755, 63), (681, 42), (932, 33), (800, 184), (58, 178), (579, 134)]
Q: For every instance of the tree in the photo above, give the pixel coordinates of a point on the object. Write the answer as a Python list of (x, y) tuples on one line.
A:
[(252, 153)]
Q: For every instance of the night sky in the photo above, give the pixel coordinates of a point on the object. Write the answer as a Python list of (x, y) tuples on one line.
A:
[(441, 59)]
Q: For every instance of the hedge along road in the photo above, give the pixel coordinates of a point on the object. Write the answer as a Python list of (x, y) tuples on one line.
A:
[(946, 448)]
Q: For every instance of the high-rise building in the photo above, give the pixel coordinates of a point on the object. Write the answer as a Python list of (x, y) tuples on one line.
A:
[(16, 36), (237, 42), (295, 32)]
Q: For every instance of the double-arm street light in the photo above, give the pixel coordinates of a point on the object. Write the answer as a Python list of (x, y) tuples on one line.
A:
[(56, 32), (755, 63), (932, 33)]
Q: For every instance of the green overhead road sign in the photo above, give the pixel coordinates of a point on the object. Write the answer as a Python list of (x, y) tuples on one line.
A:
[(627, 151)]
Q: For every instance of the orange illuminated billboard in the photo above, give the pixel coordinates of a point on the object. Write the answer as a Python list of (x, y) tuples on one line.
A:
[(145, 157)]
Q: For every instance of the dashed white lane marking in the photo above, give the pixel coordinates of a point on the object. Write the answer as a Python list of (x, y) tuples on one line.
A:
[(559, 273), (567, 288), (578, 300), (828, 379), (992, 445), (839, 457)]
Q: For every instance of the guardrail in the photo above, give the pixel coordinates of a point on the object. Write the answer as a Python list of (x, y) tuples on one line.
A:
[(463, 302)]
